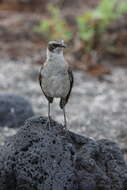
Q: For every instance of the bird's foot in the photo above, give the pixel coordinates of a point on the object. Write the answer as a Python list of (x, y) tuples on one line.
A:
[(65, 132), (48, 123), (65, 127)]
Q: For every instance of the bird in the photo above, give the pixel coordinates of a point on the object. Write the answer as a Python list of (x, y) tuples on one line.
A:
[(56, 77)]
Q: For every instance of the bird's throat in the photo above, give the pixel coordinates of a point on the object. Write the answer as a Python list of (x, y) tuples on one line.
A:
[(52, 56)]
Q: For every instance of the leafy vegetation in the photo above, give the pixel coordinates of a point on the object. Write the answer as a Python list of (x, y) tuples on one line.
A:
[(55, 26), (90, 25), (94, 23)]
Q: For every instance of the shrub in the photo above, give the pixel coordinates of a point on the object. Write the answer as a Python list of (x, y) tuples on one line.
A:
[(90, 25), (94, 23), (54, 27)]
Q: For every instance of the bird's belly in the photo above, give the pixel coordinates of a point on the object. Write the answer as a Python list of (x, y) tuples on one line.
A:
[(57, 86)]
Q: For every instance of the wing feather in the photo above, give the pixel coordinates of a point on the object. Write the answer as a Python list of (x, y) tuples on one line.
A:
[(40, 78), (64, 101)]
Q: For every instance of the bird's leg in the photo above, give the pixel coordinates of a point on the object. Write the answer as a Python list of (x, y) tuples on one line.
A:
[(49, 117), (65, 121)]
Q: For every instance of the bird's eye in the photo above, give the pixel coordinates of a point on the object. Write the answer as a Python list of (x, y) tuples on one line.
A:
[(55, 45)]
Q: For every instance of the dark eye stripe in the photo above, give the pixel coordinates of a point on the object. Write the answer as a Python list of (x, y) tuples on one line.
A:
[(56, 45), (53, 46)]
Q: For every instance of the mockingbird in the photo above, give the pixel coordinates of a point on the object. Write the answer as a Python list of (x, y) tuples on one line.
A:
[(55, 77)]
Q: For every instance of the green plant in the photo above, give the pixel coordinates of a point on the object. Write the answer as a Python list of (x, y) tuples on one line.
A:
[(93, 23), (54, 27), (90, 25)]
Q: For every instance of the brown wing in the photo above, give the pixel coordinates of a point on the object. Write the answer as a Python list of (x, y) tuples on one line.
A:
[(40, 78), (64, 101)]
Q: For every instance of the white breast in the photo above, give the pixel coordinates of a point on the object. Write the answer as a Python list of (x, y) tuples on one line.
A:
[(55, 78)]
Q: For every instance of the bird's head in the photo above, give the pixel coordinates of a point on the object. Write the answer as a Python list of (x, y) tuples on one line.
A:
[(56, 46)]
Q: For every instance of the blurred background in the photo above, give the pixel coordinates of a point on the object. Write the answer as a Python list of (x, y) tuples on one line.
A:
[(96, 32)]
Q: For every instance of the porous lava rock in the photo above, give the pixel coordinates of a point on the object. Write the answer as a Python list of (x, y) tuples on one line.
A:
[(40, 157), (14, 110)]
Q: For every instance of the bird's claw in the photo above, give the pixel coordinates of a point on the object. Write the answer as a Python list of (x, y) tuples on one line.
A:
[(65, 127), (48, 123)]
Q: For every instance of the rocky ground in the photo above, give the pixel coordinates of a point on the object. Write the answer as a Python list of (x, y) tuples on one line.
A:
[(96, 108), (39, 157)]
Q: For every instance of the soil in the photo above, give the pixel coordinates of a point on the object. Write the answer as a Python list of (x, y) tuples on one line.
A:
[(41, 5)]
